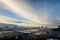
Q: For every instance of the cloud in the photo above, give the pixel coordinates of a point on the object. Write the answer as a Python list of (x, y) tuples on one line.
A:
[(42, 15), (21, 9), (8, 20)]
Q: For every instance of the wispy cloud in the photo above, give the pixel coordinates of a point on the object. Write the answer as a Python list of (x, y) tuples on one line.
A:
[(5, 19), (41, 13), (8, 20), (21, 9)]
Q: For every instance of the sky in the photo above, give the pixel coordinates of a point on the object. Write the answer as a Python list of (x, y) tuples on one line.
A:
[(31, 11)]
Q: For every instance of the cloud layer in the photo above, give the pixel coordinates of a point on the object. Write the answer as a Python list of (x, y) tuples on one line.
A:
[(21, 9), (7, 20), (42, 12)]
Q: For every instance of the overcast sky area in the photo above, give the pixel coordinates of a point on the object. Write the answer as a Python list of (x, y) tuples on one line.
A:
[(34, 11)]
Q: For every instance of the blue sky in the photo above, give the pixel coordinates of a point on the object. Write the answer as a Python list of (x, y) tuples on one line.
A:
[(39, 11), (49, 8)]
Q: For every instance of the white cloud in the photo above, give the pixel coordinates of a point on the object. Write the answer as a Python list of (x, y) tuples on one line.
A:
[(21, 9), (8, 20)]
